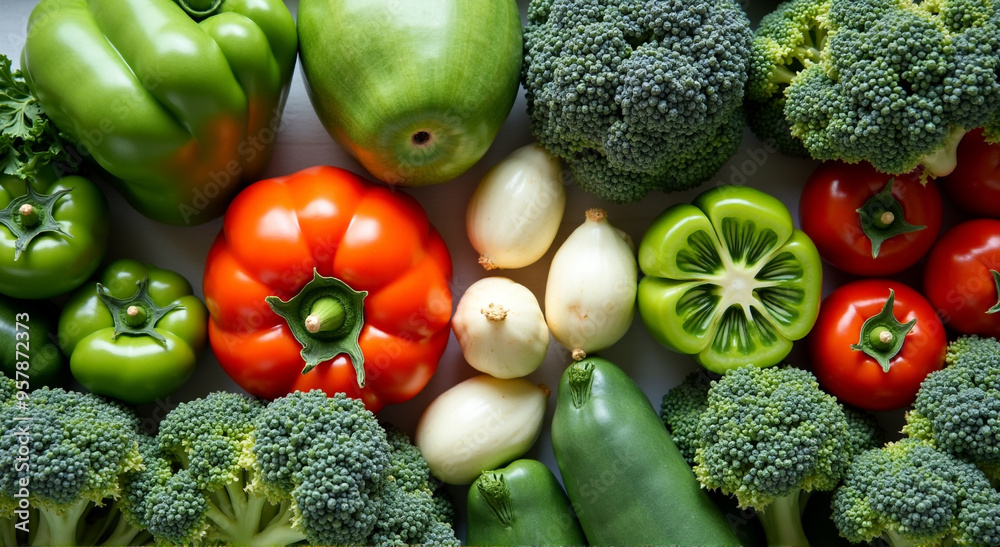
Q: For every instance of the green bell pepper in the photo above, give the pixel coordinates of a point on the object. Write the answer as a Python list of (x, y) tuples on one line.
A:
[(28, 349), (728, 279), (136, 334), (53, 234), (179, 101)]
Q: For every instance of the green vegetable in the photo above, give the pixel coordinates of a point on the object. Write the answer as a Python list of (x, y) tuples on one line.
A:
[(179, 101), (728, 279), (53, 234), (909, 493), (228, 469), (28, 139), (521, 504), (628, 482), (82, 449), (415, 91), (896, 83), (28, 337), (637, 96), (785, 41), (680, 410), (136, 335), (769, 436), (956, 408)]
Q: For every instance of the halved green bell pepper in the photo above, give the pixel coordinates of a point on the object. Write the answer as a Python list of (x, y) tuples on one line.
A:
[(179, 101), (136, 334), (53, 234), (29, 353), (728, 279)]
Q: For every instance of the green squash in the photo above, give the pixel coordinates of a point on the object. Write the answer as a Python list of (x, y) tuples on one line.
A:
[(416, 91)]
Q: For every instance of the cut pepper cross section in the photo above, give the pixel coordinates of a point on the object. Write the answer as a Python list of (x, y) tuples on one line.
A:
[(728, 279)]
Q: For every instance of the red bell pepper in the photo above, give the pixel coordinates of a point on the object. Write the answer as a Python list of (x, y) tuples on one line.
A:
[(324, 280)]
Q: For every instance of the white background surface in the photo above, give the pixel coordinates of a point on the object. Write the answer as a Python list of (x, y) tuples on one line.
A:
[(303, 142)]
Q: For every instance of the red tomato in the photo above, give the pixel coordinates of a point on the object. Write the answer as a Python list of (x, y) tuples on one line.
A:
[(829, 214), (855, 377), (958, 279), (279, 235), (975, 183)]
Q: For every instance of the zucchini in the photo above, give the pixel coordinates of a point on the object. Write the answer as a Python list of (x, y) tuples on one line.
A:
[(626, 479), (521, 504)]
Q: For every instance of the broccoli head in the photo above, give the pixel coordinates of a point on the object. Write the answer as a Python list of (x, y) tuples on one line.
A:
[(910, 493), (306, 467), (67, 456), (198, 484), (899, 83), (350, 481), (636, 95), (770, 435), (957, 408), (681, 410)]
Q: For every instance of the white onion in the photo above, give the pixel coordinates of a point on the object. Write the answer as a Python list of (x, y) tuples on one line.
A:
[(591, 288), (478, 425), (514, 214), (500, 328)]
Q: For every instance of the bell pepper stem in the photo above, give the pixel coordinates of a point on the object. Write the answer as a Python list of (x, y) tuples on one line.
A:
[(882, 335), (326, 318), (29, 215), (327, 314), (136, 315)]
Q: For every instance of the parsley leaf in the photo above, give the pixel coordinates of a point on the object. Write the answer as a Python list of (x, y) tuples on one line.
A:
[(28, 138)]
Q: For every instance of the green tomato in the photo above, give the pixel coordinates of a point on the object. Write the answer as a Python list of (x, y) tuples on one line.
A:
[(136, 334), (53, 234), (416, 91), (728, 279), (28, 349)]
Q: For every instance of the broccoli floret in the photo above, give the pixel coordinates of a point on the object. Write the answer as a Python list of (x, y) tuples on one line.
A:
[(899, 82), (8, 390), (787, 40), (910, 493), (200, 480), (957, 408), (681, 410), (67, 456), (636, 95), (769, 437), (415, 508)]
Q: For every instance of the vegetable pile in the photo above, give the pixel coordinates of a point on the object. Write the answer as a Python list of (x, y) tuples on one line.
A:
[(824, 330)]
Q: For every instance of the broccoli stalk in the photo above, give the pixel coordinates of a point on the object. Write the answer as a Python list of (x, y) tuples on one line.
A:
[(242, 518), (941, 162), (782, 521)]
